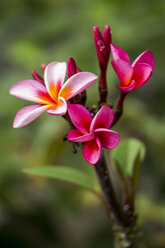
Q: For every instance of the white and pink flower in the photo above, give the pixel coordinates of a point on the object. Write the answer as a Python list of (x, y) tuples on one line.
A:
[(50, 96)]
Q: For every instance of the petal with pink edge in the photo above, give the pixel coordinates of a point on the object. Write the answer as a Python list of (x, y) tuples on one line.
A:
[(127, 88), (31, 90), (60, 108), (103, 118), (119, 53), (109, 139), (92, 151), (27, 114), (76, 84), (142, 72), (54, 76), (123, 70), (146, 57), (80, 117), (75, 136)]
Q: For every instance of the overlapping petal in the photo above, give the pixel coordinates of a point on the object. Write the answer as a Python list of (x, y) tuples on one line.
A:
[(92, 151), (76, 136), (80, 117), (31, 90), (123, 70), (27, 114), (119, 53), (54, 76), (103, 118), (142, 72), (59, 108), (109, 139), (76, 84), (146, 57)]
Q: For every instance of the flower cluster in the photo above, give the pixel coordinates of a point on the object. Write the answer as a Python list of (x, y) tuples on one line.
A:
[(55, 97)]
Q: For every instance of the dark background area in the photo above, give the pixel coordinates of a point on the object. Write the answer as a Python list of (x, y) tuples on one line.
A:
[(36, 212)]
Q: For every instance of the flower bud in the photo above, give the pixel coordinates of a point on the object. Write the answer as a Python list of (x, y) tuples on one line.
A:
[(102, 44)]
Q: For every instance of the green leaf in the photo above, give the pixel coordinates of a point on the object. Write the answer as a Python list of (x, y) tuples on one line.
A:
[(128, 155), (62, 173)]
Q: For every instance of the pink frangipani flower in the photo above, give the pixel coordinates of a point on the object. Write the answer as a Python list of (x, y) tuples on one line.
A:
[(135, 75), (51, 95), (94, 132)]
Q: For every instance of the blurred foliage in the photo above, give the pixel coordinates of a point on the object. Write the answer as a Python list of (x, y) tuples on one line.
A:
[(43, 213)]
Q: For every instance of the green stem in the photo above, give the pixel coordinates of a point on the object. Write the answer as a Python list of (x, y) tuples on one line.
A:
[(129, 237)]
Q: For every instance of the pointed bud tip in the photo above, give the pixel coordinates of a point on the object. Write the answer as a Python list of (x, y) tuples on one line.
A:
[(95, 29)]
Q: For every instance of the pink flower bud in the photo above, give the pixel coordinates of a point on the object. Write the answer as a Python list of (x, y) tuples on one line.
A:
[(37, 77), (72, 68), (102, 44), (43, 67)]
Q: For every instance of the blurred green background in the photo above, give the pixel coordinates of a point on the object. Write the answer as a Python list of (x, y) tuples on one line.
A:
[(35, 212)]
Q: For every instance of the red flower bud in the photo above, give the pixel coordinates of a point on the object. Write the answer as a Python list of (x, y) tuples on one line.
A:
[(102, 44)]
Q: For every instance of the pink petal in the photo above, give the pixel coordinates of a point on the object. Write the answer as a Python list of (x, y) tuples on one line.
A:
[(54, 76), (76, 84), (142, 72), (146, 57), (109, 139), (103, 118), (27, 114), (92, 151), (127, 88), (119, 53), (123, 70), (31, 90), (60, 108), (80, 117), (76, 136)]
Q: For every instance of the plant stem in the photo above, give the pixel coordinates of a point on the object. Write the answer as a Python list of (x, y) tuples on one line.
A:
[(119, 107), (109, 193), (129, 237), (103, 86)]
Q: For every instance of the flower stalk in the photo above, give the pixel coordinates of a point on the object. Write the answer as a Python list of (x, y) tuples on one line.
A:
[(109, 193)]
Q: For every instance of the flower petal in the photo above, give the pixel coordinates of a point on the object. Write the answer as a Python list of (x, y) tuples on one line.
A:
[(76, 84), (54, 76), (109, 139), (123, 70), (142, 72), (27, 114), (80, 117), (59, 108), (31, 90), (92, 151), (146, 57), (119, 53), (127, 88), (103, 118), (75, 136)]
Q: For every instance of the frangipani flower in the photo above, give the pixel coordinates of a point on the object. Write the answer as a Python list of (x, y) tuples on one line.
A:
[(135, 75), (94, 132), (52, 96)]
